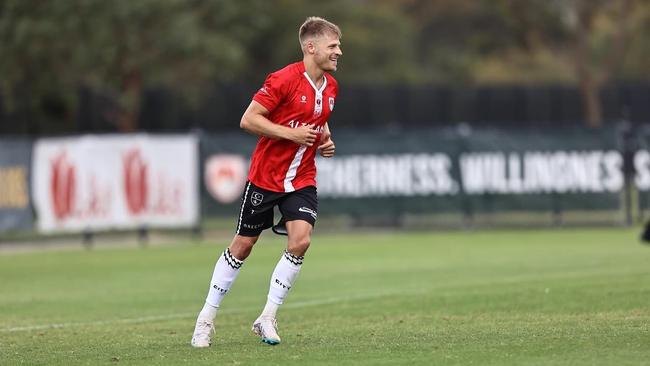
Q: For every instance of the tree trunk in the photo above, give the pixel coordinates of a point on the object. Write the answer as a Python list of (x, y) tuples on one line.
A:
[(591, 74), (127, 118), (591, 105)]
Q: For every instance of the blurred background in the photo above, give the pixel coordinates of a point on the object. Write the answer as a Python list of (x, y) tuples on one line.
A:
[(466, 113)]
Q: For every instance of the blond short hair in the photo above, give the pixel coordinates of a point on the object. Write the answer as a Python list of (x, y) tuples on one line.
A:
[(316, 27)]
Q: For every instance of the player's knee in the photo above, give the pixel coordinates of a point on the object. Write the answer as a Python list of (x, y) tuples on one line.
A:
[(242, 245), (299, 246)]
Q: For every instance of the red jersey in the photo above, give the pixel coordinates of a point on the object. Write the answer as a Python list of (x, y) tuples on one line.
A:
[(292, 99)]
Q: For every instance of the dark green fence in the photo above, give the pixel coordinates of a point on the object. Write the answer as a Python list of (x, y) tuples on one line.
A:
[(443, 176), (467, 175)]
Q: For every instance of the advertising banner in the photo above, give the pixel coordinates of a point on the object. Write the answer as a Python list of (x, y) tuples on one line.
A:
[(224, 170), (99, 182), (15, 208), (445, 170), (503, 173)]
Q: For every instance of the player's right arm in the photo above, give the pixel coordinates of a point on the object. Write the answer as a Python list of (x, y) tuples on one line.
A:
[(255, 120)]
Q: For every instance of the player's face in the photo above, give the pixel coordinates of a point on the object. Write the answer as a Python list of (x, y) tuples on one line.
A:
[(327, 52)]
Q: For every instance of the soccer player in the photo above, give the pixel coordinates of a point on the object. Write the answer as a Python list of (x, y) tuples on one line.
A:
[(289, 113)]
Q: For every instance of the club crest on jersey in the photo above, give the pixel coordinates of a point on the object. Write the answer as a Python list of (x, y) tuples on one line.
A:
[(331, 102), (256, 198)]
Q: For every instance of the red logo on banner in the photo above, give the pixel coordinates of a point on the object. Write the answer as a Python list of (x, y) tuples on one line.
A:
[(225, 177), (62, 186), (135, 181)]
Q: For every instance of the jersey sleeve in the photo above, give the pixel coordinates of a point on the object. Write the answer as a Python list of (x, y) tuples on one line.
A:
[(271, 94)]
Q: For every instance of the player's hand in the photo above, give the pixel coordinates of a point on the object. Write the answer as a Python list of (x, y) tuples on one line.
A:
[(304, 135), (327, 147)]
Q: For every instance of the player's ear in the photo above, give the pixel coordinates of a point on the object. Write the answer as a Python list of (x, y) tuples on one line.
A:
[(310, 47)]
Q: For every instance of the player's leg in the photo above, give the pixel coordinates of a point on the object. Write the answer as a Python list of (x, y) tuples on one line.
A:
[(289, 265), (225, 272), (282, 279), (255, 216), (299, 216)]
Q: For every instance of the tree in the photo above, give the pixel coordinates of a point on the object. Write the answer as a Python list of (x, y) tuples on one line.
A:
[(599, 51), (581, 41), (118, 47)]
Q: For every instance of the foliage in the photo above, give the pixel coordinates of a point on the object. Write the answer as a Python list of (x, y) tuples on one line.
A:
[(119, 48)]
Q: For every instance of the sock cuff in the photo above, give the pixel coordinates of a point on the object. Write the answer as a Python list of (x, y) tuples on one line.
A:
[(273, 300), (231, 260), (211, 304), (296, 260)]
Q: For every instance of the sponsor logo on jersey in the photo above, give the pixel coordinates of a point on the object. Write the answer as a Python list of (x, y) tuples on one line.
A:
[(256, 198), (303, 99), (295, 124)]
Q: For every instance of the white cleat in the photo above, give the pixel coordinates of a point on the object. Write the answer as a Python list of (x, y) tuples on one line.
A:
[(267, 328), (202, 333)]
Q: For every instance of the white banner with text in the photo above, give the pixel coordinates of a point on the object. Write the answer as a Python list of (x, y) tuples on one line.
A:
[(100, 182)]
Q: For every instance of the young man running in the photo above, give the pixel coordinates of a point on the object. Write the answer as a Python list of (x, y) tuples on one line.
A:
[(290, 114)]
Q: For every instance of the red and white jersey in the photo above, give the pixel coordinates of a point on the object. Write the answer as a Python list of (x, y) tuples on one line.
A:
[(292, 99)]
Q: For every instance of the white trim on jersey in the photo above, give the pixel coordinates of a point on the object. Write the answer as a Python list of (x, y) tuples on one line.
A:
[(295, 163), (314, 85), (293, 168), (318, 102)]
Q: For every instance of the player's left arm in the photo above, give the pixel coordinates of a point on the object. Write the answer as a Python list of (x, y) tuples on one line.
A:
[(326, 147)]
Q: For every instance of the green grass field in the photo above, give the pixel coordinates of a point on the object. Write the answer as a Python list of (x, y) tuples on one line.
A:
[(567, 297)]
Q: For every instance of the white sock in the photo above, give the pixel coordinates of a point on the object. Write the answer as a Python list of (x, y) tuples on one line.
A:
[(270, 309), (282, 280), (208, 311), (225, 272)]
